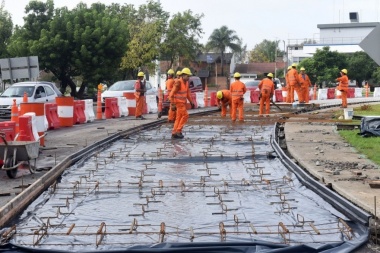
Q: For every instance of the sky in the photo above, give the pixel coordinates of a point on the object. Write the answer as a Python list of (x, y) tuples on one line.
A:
[(252, 20)]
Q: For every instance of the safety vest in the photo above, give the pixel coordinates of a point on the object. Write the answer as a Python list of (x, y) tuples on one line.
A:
[(266, 86), (181, 95), (237, 90), (343, 82), (169, 84), (139, 86), (293, 77)]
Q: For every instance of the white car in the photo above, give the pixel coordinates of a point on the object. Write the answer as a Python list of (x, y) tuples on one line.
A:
[(44, 92), (117, 89)]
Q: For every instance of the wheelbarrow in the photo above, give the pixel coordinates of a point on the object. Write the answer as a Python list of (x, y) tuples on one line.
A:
[(17, 153)]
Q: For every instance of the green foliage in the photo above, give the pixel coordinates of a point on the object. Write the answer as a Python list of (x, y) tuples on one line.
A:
[(182, 37), (360, 66), (324, 66), (221, 39), (6, 26), (264, 52), (376, 75)]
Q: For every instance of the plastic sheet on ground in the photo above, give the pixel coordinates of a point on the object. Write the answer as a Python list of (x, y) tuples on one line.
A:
[(219, 189), (370, 126)]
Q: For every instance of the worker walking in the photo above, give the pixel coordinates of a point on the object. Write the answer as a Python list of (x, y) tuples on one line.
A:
[(140, 89), (223, 99), (343, 86), (266, 87), (288, 84), (305, 86), (169, 86), (294, 82), (178, 97), (237, 90)]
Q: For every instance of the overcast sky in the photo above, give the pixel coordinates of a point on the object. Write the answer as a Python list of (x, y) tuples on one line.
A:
[(253, 20)]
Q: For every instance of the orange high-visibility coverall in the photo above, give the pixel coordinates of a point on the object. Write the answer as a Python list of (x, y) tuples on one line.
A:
[(266, 87), (178, 95), (169, 87), (237, 90), (224, 102), (140, 97), (305, 85), (343, 87), (294, 84), (287, 87)]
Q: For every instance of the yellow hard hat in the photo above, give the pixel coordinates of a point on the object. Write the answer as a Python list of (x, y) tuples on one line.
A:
[(289, 67), (186, 71), (302, 68), (344, 71), (179, 73), (140, 74), (294, 65), (270, 75), (237, 74), (170, 72), (219, 94)]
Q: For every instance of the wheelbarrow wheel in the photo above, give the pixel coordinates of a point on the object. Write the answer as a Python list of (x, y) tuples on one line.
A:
[(8, 164)]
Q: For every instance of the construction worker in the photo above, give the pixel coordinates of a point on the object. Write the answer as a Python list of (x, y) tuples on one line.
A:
[(305, 85), (169, 86), (178, 97), (266, 87), (140, 90), (288, 84), (223, 99), (294, 82), (343, 86), (237, 90)]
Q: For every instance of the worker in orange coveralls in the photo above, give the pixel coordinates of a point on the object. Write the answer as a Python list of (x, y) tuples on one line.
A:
[(266, 87), (178, 97), (288, 84), (343, 86), (294, 83), (169, 86), (223, 99), (140, 90), (237, 90), (305, 85)]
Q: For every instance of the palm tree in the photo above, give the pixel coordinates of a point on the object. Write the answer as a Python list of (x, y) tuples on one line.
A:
[(221, 39)]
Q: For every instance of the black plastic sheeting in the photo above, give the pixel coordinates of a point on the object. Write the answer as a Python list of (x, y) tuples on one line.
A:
[(184, 148), (370, 126)]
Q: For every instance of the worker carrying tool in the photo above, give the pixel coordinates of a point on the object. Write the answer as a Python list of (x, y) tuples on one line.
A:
[(169, 86), (140, 89), (305, 86), (237, 90), (343, 86), (266, 87), (178, 98), (223, 99)]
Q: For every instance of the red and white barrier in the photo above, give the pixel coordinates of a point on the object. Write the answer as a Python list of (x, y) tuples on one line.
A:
[(247, 97), (358, 92), (123, 108), (39, 121), (51, 115), (200, 98), (322, 94), (151, 103), (65, 111), (376, 92), (89, 110), (9, 129), (78, 116), (111, 108), (26, 129), (36, 124)]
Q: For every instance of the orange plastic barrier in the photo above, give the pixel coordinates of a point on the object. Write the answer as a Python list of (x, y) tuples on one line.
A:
[(52, 115), (78, 116), (26, 128), (131, 103), (315, 92), (213, 98), (330, 93), (351, 93), (111, 108), (9, 128), (65, 111), (278, 95), (39, 110), (206, 96)]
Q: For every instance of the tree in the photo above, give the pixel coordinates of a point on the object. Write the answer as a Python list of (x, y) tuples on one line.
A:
[(360, 66), (181, 39), (221, 39), (266, 51), (146, 29), (6, 26), (376, 75), (325, 65), (241, 56)]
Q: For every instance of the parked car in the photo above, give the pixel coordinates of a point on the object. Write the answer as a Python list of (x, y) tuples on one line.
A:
[(117, 89), (37, 92), (195, 85), (252, 85)]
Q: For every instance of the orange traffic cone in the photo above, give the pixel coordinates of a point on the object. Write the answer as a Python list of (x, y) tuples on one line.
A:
[(14, 115), (206, 96), (25, 98)]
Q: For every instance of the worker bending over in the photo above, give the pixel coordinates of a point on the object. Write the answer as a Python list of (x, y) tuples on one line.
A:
[(223, 100)]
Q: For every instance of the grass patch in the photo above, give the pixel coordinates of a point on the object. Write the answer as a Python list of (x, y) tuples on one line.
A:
[(367, 110), (369, 146)]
